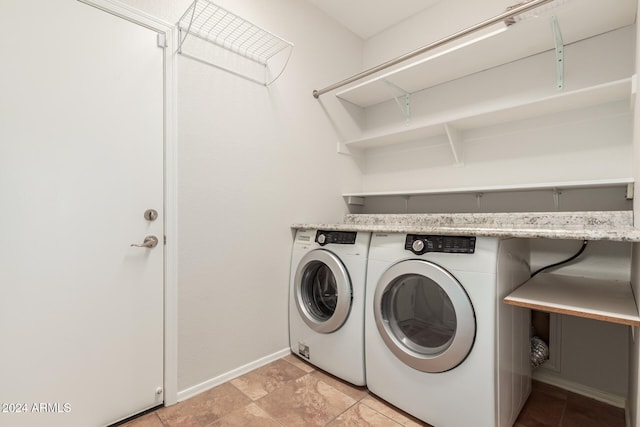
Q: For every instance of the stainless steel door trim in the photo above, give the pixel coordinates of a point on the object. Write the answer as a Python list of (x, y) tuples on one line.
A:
[(464, 336), (343, 291)]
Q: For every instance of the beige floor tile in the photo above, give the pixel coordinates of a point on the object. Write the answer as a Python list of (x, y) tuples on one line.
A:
[(350, 390), (300, 363), (205, 408), (295, 394), (262, 381), (392, 412), (362, 416), (306, 401), (250, 415)]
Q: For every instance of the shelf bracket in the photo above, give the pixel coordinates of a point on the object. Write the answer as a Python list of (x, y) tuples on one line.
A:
[(479, 200), (630, 189), (403, 100), (407, 199), (557, 36), (354, 200), (556, 198), (455, 142)]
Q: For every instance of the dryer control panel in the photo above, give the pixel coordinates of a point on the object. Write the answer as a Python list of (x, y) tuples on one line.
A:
[(420, 244), (339, 237)]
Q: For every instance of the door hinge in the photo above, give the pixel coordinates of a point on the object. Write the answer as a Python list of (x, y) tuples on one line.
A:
[(164, 240), (162, 40)]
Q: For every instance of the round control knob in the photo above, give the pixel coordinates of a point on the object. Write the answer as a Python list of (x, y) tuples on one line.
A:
[(417, 245), (322, 238)]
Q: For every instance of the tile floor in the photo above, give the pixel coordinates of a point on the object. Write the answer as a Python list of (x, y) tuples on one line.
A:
[(289, 392)]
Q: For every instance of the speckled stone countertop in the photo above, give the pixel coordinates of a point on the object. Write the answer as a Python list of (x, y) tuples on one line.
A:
[(595, 225)]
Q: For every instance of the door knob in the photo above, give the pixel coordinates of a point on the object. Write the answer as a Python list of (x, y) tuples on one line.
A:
[(149, 242)]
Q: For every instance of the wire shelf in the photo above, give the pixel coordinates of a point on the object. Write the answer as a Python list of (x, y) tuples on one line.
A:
[(214, 24)]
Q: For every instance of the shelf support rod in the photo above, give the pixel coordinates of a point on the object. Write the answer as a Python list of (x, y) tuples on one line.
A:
[(501, 18), (557, 36)]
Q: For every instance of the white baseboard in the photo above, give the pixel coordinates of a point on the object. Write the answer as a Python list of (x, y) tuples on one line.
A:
[(602, 396), (227, 376)]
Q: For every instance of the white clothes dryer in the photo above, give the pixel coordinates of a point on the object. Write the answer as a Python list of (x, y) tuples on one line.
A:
[(439, 342), (326, 301)]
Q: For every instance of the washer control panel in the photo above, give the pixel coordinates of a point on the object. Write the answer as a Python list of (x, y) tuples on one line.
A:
[(336, 237), (420, 244)]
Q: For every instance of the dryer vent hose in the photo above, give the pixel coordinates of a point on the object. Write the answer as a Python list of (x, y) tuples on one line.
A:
[(539, 352)]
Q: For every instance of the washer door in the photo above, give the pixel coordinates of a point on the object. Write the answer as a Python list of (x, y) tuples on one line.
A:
[(322, 291), (424, 316)]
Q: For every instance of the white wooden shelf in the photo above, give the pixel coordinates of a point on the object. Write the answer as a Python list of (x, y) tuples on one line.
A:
[(551, 186), (452, 125), (605, 300), (497, 46)]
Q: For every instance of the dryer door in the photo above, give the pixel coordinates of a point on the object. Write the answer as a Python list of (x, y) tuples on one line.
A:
[(322, 290), (424, 316)]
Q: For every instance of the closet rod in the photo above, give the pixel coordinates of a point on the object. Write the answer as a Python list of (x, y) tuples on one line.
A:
[(518, 9)]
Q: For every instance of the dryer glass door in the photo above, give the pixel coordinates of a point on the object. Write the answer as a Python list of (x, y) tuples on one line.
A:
[(424, 316), (322, 291)]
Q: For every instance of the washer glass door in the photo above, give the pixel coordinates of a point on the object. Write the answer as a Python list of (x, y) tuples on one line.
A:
[(424, 316), (322, 290)]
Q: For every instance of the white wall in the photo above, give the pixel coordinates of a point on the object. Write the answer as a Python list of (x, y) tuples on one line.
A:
[(252, 161)]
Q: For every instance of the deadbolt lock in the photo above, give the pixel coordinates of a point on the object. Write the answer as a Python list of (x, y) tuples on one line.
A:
[(151, 214)]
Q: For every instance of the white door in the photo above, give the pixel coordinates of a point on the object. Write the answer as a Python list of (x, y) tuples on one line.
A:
[(81, 159)]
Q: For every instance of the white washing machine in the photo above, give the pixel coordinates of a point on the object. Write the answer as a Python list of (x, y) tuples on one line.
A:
[(439, 342), (326, 301)]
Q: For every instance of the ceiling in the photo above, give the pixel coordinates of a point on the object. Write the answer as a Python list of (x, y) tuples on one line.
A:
[(367, 18)]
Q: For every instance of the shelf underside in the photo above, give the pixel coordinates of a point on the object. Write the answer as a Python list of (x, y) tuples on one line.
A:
[(552, 186), (605, 300)]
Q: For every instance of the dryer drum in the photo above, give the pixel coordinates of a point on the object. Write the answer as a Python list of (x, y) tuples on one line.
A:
[(424, 316), (322, 295), (322, 290), (420, 313)]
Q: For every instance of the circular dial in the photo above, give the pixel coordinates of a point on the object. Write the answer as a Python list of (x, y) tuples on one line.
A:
[(417, 245)]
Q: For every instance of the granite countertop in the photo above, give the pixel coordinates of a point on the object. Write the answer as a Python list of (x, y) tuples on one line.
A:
[(594, 225)]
